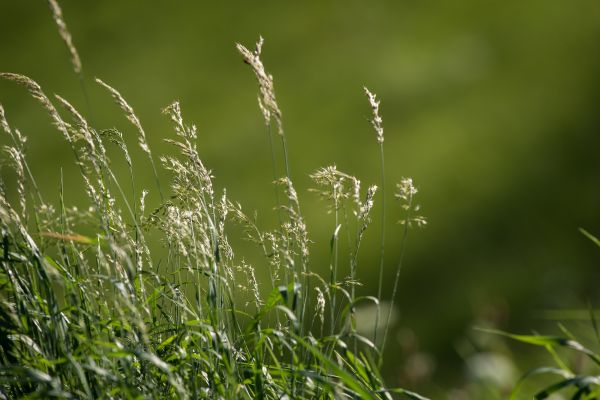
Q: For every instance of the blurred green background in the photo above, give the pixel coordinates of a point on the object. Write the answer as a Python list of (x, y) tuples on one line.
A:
[(491, 106)]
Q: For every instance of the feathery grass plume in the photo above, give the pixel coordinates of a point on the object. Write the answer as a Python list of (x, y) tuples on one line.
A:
[(200, 175), (222, 211), (132, 117), (36, 92), (377, 124), (295, 216), (143, 202), (3, 122), (266, 100), (65, 35), (343, 191), (116, 137), (366, 206), (363, 219), (173, 110), (376, 121), (250, 279), (320, 308), (16, 155), (294, 234), (338, 186), (406, 192), (82, 129), (129, 113)]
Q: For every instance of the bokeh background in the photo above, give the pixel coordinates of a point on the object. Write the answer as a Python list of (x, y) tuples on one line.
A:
[(492, 107)]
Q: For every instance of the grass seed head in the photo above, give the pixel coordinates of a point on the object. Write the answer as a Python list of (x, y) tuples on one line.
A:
[(376, 121), (36, 92), (65, 35), (266, 99), (405, 192), (129, 113), (3, 121)]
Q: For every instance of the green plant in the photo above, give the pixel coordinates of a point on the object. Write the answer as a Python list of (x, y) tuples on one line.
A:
[(577, 377), (102, 316)]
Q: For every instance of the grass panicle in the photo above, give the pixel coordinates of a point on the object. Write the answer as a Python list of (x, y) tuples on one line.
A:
[(65, 35)]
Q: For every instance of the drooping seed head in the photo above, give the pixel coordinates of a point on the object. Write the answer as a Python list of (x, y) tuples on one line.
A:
[(266, 99)]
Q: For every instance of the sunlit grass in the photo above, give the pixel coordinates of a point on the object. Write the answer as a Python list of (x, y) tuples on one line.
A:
[(119, 314)]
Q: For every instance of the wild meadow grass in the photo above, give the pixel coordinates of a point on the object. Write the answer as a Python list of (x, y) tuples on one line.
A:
[(157, 303), (117, 314)]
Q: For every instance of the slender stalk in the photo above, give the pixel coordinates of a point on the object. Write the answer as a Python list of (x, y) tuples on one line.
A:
[(285, 155), (397, 277), (382, 246), (334, 263), (277, 199), (156, 179), (274, 169)]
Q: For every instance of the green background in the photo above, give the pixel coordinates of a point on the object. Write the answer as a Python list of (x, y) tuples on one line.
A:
[(491, 106)]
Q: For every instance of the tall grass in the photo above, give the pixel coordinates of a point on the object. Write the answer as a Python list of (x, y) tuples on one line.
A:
[(106, 316)]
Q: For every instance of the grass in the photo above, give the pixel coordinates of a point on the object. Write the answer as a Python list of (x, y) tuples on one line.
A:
[(574, 367), (160, 303), (120, 314)]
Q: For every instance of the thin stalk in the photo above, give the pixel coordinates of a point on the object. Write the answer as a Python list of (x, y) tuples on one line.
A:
[(277, 199), (289, 180), (334, 263), (397, 277), (274, 170), (157, 181), (382, 247), (353, 270), (285, 156), (86, 97)]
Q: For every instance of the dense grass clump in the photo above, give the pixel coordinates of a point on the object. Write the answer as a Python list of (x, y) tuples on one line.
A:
[(147, 305)]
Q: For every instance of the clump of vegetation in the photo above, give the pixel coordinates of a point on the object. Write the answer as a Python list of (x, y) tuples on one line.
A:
[(574, 365), (104, 316), (563, 375)]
